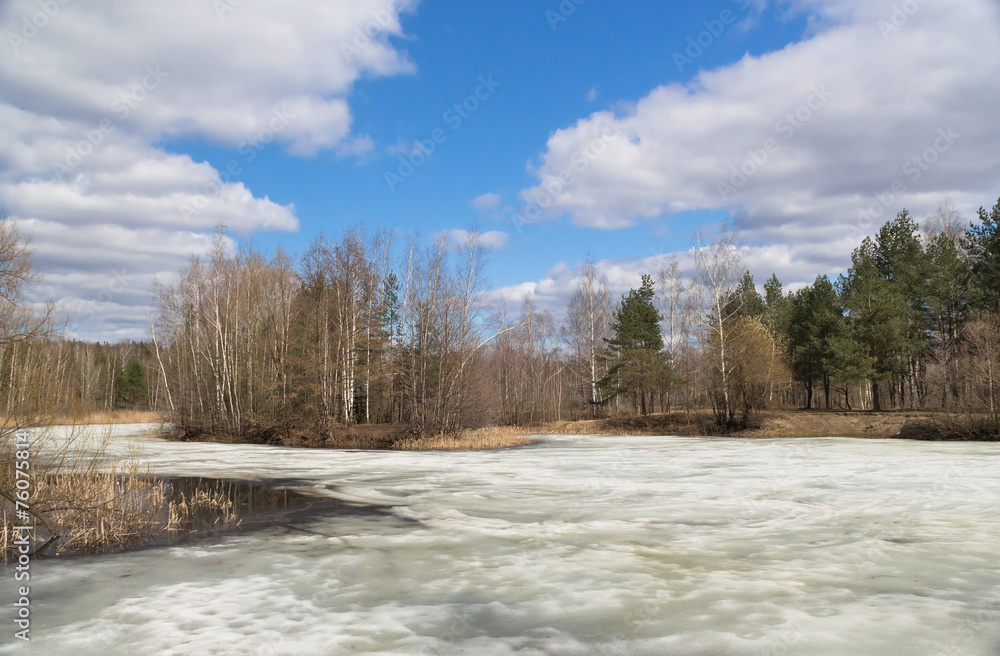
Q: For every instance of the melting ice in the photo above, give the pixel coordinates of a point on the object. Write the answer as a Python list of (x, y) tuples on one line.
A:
[(578, 545)]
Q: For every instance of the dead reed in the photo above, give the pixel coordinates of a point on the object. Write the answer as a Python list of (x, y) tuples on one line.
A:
[(103, 418), (479, 439), (82, 500), (184, 513)]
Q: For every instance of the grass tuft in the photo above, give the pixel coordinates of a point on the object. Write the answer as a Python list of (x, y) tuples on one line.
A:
[(479, 439)]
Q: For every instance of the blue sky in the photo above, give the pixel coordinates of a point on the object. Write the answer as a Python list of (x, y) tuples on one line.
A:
[(872, 84), (548, 79)]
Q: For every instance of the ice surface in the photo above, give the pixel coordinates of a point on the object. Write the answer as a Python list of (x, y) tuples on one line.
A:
[(579, 545)]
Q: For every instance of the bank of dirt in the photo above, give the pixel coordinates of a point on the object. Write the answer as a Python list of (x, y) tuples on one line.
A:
[(700, 423), (792, 423), (393, 437)]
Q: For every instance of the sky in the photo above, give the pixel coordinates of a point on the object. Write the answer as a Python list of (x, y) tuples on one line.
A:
[(557, 130)]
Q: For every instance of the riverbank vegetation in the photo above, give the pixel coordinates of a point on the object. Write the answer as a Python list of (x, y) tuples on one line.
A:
[(75, 498), (81, 501), (768, 424), (372, 330), (355, 335)]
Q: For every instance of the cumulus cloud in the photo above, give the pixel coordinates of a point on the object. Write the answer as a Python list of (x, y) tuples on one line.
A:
[(486, 202), (493, 240), (876, 110), (89, 90), (796, 265), (224, 72)]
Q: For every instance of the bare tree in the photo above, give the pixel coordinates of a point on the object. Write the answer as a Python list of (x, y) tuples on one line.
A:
[(589, 321), (19, 321), (946, 220), (983, 363), (719, 266), (675, 295)]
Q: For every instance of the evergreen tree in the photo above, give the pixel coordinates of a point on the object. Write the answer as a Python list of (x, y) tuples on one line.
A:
[(132, 386), (745, 301), (948, 301), (392, 331), (847, 362), (815, 319), (983, 245), (877, 313), (390, 320), (775, 305), (638, 364), (900, 258)]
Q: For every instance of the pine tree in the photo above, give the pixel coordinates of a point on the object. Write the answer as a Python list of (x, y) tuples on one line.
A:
[(745, 301), (900, 258), (877, 312), (392, 332), (948, 300), (775, 305), (815, 319), (847, 361), (983, 244), (132, 386), (637, 362)]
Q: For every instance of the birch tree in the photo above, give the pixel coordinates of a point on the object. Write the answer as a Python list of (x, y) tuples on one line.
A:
[(719, 266), (589, 321)]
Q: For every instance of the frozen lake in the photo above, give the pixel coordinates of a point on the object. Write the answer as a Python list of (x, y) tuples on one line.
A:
[(579, 545)]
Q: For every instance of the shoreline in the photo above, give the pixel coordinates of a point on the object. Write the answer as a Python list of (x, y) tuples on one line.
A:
[(899, 424), (913, 425)]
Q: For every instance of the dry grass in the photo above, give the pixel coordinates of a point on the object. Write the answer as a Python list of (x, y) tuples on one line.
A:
[(116, 417), (967, 427), (101, 418), (376, 437), (790, 423), (184, 513), (80, 499), (99, 512), (479, 439), (688, 424)]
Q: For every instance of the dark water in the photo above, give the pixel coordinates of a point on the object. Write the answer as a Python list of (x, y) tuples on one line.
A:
[(238, 506), (256, 505)]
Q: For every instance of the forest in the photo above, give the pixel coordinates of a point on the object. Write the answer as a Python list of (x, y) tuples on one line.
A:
[(378, 329)]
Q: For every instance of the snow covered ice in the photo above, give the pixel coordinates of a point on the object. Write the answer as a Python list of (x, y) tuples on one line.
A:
[(579, 545)]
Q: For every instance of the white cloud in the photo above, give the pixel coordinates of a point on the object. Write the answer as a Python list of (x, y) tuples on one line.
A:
[(86, 98), (493, 240), (591, 95), (223, 76), (890, 92), (486, 202), (796, 265)]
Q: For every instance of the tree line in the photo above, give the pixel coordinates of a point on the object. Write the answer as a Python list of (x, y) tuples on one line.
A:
[(912, 324), (378, 329), (42, 373)]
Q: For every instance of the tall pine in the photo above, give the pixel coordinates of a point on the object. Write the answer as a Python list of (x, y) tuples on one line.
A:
[(983, 245), (637, 363)]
